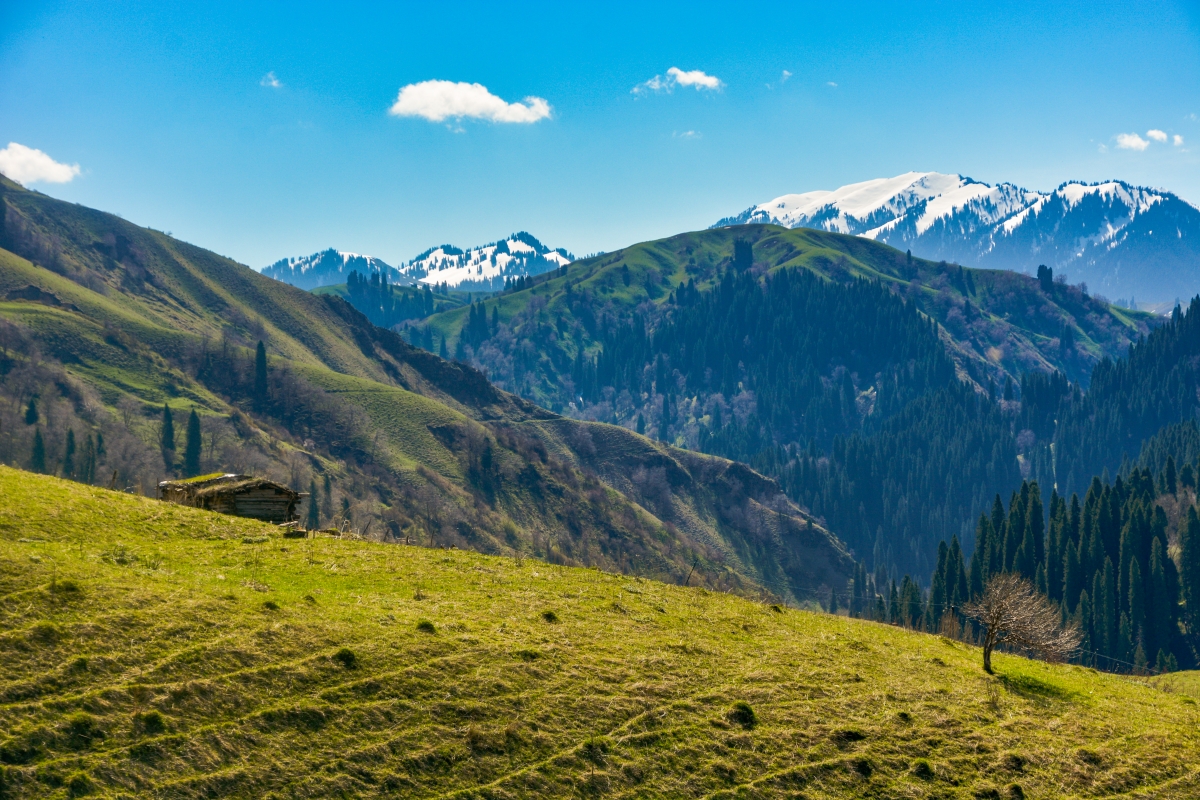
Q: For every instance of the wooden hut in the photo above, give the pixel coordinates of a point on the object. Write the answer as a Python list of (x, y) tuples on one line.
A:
[(239, 495)]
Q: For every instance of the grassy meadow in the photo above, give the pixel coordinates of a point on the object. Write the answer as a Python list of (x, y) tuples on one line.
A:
[(150, 650)]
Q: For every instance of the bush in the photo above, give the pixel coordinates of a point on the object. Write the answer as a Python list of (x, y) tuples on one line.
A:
[(45, 633), (425, 626), (65, 587), (82, 730), (80, 784), (149, 722), (270, 605), (549, 616), (346, 658), (922, 769), (742, 714)]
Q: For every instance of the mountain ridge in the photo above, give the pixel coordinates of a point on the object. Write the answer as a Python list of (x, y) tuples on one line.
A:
[(1101, 233), (481, 268), (106, 327)]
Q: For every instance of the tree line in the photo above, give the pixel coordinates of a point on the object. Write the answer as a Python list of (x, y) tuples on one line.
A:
[(1105, 563)]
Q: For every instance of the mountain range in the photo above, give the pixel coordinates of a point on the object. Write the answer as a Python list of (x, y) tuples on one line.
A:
[(1124, 241), (107, 329), (482, 268)]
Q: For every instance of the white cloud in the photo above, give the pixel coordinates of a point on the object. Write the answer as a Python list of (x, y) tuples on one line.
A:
[(694, 78), (678, 77), (1131, 141), (1178, 140), (1157, 135), (440, 100), (270, 81), (783, 78), (831, 83), (26, 165), (686, 135)]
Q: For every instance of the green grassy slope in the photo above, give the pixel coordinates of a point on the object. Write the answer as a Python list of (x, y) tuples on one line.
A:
[(999, 321), (417, 448), (151, 650)]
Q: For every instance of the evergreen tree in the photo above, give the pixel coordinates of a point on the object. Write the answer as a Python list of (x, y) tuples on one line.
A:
[(1189, 567), (641, 425), (260, 374), (1137, 602), (37, 459), (68, 462), (1159, 604), (191, 450), (87, 464), (31, 412), (327, 494), (167, 440)]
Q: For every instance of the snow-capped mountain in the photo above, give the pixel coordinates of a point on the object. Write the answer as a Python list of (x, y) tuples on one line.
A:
[(485, 268), (482, 268), (1124, 241), (326, 268)]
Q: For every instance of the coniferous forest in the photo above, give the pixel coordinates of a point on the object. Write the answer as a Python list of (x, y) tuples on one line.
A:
[(1118, 565)]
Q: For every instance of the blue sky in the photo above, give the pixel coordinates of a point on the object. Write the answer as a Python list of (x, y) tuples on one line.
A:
[(263, 131)]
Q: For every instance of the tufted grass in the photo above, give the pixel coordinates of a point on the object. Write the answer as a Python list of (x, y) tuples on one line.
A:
[(149, 650)]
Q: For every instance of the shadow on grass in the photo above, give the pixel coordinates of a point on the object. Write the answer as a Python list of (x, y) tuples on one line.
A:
[(1032, 688)]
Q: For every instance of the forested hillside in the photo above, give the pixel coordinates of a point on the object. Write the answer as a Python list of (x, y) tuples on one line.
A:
[(128, 356), (876, 387)]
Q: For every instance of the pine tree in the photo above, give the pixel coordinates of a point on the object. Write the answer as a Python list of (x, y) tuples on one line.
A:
[(37, 459), (1137, 601), (167, 441), (327, 497), (68, 462), (87, 464), (313, 522), (260, 374), (641, 425), (833, 601), (1158, 606), (1189, 567), (191, 450), (31, 412), (1072, 576)]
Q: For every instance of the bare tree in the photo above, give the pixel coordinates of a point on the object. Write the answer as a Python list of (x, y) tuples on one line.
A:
[(1014, 613)]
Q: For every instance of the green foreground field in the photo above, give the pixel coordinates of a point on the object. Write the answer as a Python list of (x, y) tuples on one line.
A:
[(157, 651)]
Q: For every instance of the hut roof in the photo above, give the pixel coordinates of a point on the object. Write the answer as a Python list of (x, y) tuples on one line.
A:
[(219, 483)]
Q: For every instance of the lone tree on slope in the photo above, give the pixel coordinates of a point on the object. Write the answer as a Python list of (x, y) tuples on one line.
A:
[(1012, 612)]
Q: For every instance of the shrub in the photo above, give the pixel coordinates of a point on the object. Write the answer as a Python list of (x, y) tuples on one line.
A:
[(1014, 792), (742, 714), (270, 605), (79, 784), (65, 587), (847, 736), (82, 730), (346, 658), (922, 769), (425, 626), (150, 722), (549, 616), (45, 632)]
